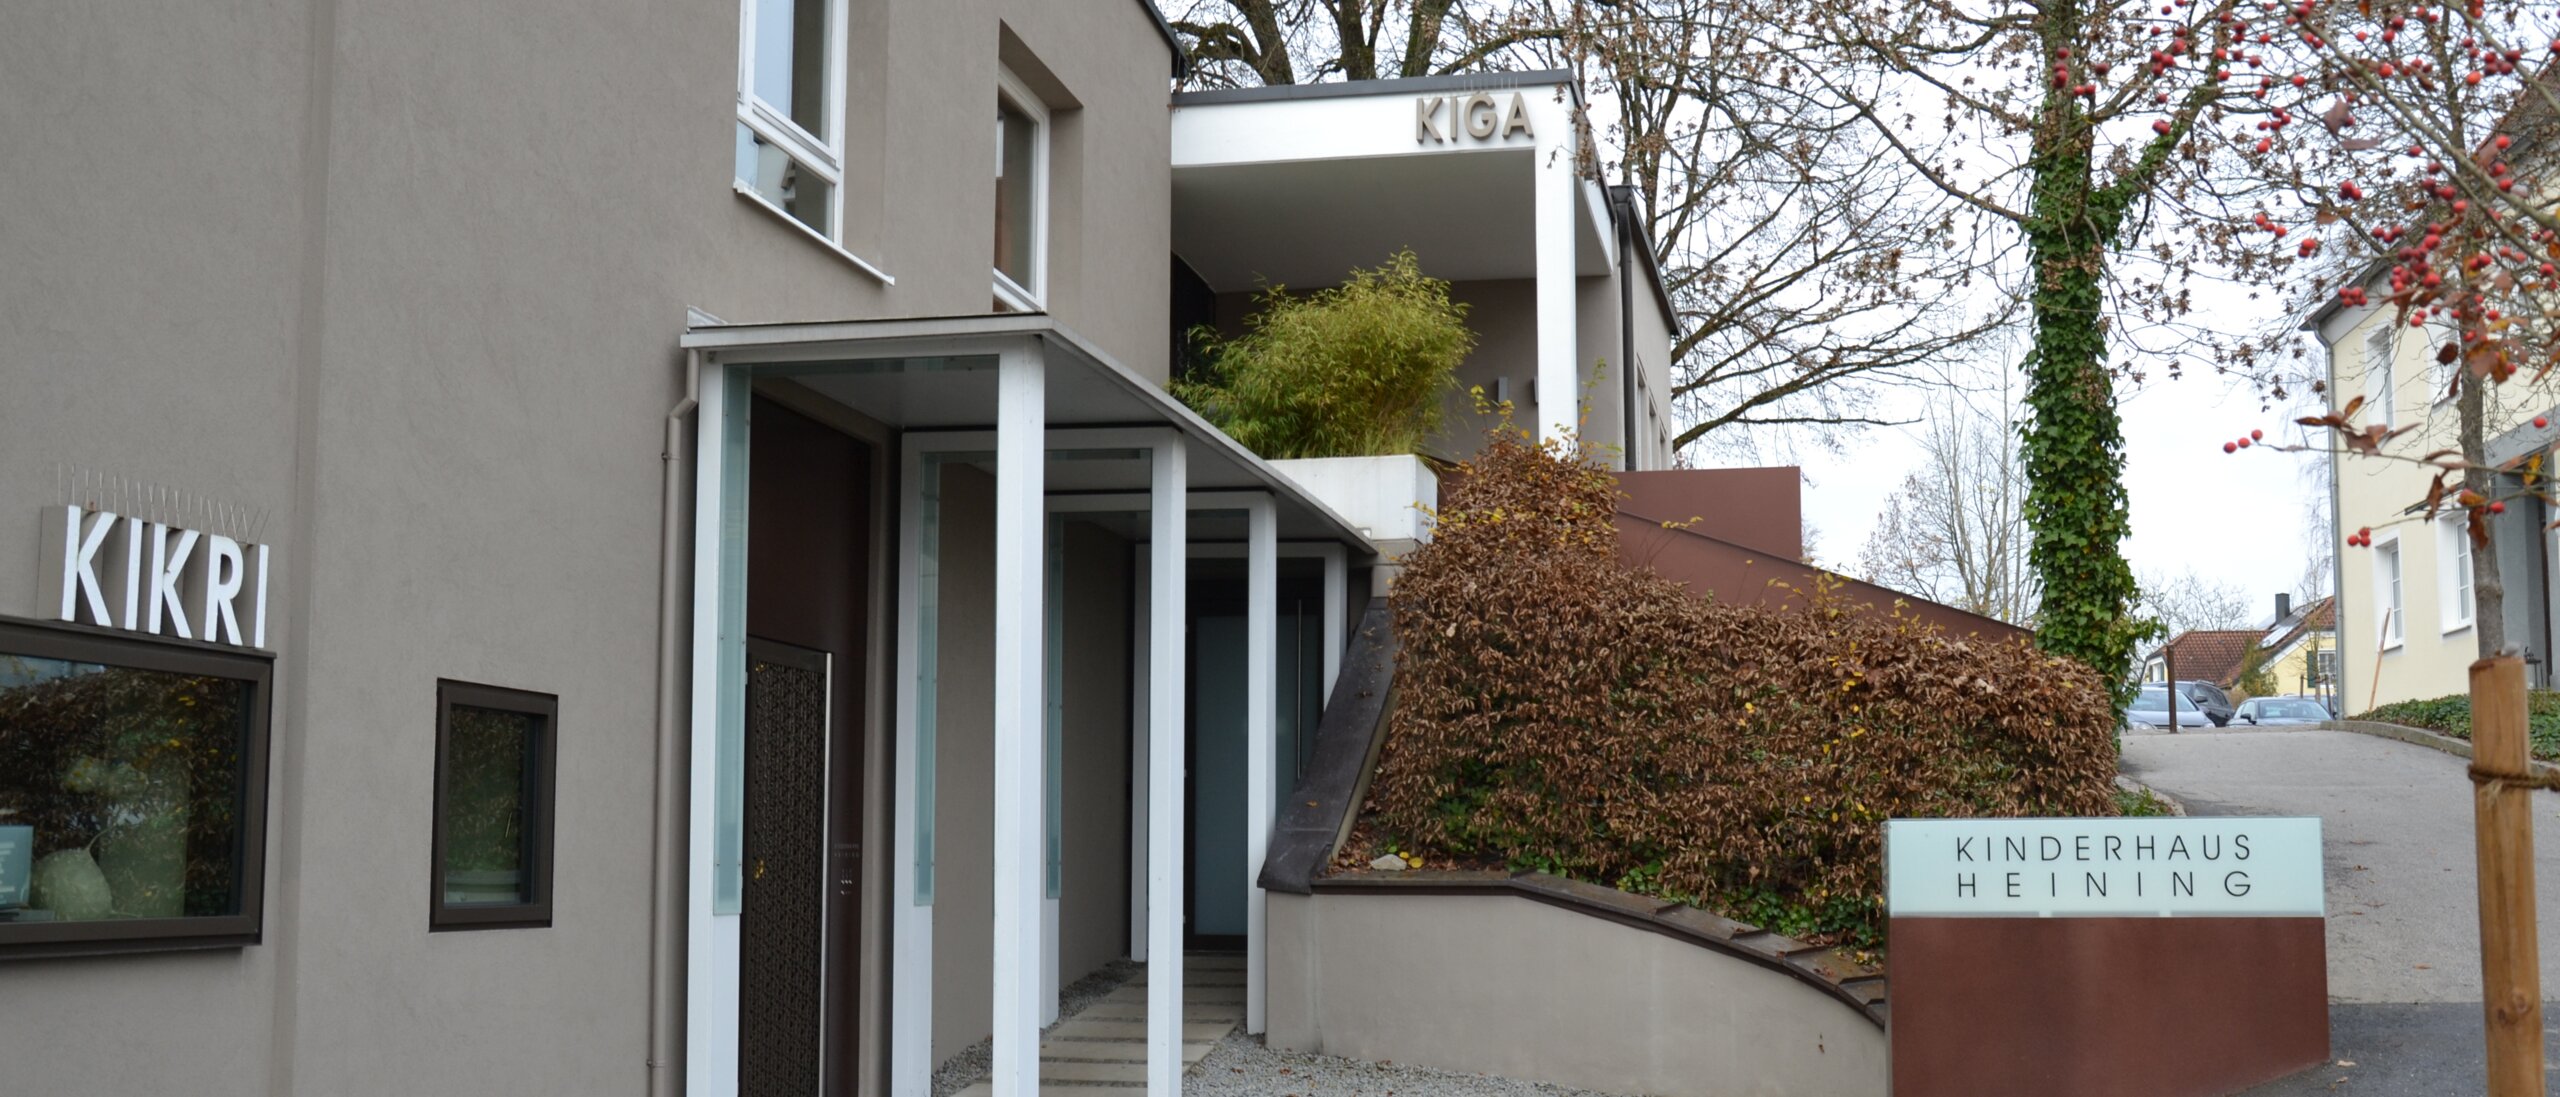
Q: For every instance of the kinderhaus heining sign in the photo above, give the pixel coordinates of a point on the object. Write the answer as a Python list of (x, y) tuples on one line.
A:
[(127, 572), (2157, 867)]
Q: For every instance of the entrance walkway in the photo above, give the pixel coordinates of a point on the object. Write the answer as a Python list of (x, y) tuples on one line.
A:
[(1102, 1051), (2404, 927)]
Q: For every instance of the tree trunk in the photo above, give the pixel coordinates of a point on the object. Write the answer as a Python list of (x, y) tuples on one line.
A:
[(2488, 591), (2074, 441)]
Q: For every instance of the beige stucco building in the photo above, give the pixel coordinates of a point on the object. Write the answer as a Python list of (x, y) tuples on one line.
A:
[(543, 544), (2405, 606)]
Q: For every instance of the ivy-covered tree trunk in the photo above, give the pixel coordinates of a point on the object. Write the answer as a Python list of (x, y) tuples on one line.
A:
[(2073, 440)]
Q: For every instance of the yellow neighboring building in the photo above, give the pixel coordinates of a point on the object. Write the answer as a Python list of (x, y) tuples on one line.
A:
[(2404, 606), (2302, 651)]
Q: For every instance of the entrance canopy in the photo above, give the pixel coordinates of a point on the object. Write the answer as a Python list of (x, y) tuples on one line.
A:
[(1061, 429), (941, 375)]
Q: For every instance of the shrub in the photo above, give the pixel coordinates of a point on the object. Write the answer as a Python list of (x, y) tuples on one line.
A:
[(1354, 371), (1558, 710), (2452, 716)]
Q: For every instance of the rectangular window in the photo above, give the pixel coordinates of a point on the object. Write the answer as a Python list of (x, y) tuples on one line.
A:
[(132, 794), (2453, 544), (2377, 374), (2324, 666), (790, 151), (1022, 196), (494, 779), (2386, 581), (2439, 373)]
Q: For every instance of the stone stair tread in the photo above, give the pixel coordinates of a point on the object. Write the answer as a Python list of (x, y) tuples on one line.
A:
[(1082, 1029), (1137, 1011), (1115, 1051), (1080, 1070)]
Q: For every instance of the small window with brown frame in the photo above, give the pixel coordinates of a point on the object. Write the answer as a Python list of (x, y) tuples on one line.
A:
[(495, 750)]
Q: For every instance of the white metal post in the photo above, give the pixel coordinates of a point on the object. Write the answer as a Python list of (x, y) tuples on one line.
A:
[(1020, 857), (1559, 385), (1167, 518), (1262, 626), (911, 961), (711, 942), (1141, 699), (1336, 577)]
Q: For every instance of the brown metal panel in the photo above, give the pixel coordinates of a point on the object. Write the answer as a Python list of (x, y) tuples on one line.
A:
[(2104, 1007), (781, 958), (1761, 509)]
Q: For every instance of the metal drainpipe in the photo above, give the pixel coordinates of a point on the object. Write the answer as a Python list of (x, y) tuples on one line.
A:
[(2337, 560), (666, 908), (1622, 209)]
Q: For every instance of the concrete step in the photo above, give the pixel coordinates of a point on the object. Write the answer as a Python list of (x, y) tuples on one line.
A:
[(1082, 1029), (1120, 1072), (1114, 1051), (1230, 1013), (1232, 994), (983, 1089)]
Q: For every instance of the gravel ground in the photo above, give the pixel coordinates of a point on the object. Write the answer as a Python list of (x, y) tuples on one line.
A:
[(957, 1072), (1242, 1065)]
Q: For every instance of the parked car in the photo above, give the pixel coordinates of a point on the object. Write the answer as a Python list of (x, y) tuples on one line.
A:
[(2150, 709), (2328, 703), (2273, 711), (2209, 697)]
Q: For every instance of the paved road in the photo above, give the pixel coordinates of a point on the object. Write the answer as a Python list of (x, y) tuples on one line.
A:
[(2404, 974)]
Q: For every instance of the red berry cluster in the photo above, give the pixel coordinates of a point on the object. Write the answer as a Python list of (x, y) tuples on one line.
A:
[(2237, 445), (2362, 538)]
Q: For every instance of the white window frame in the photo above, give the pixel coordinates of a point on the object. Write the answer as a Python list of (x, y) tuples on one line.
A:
[(2390, 593), (2439, 374), (1034, 297), (2380, 346), (2454, 581), (821, 154)]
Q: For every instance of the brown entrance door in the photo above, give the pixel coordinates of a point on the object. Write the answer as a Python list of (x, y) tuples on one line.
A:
[(809, 564)]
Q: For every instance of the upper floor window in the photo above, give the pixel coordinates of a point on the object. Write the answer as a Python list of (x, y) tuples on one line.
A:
[(790, 132), (1022, 197), (132, 793), (2377, 373)]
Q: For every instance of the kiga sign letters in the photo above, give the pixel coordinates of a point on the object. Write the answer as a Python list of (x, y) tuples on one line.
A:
[(123, 572)]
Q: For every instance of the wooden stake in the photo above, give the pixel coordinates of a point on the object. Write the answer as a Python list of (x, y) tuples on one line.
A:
[(2381, 644), (2510, 958)]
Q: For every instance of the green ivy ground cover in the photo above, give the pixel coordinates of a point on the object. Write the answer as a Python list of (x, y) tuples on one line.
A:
[(2452, 716)]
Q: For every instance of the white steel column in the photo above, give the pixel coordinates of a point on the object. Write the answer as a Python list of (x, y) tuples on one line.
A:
[(1559, 385), (911, 924), (711, 942), (1020, 786), (1336, 577), (1141, 697), (1168, 552), (1262, 626)]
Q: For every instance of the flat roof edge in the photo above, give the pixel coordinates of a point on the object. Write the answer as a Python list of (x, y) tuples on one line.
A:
[(1349, 89)]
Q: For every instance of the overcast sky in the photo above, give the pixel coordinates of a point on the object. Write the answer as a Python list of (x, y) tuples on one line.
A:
[(2234, 519)]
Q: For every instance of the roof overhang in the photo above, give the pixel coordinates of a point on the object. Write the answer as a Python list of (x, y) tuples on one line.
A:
[(940, 374), (1300, 184)]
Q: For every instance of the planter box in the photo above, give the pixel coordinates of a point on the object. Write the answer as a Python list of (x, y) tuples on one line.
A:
[(1383, 496)]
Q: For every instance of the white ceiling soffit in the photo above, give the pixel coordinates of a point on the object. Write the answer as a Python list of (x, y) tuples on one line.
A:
[(1299, 191)]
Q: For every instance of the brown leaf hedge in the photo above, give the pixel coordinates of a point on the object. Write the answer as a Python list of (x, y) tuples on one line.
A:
[(1560, 711)]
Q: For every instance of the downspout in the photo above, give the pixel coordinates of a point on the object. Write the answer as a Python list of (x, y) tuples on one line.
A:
[(1622, 209), (2337, 561), (666, 909)]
